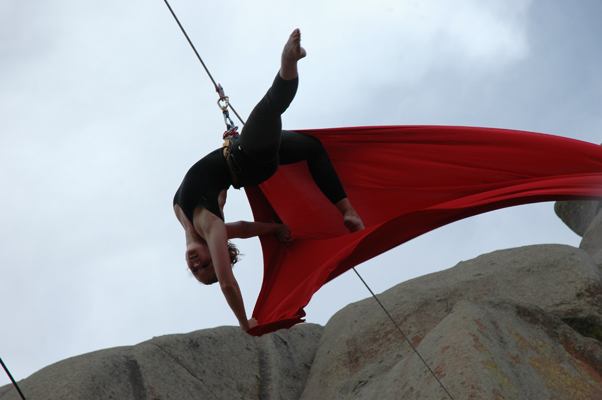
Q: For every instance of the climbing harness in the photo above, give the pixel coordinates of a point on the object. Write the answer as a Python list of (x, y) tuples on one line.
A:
[(12, 379), (223, 102), (403, 334), (230, 141), (231, 129)]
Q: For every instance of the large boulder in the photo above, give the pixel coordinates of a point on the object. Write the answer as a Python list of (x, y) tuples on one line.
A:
[(223, 363), (577, 215), (523, 323), (585, 219)]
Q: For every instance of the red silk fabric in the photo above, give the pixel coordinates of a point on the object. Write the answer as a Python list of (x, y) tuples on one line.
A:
[(403, 181)]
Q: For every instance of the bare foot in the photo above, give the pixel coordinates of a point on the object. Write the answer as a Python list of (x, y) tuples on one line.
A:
[(291, 53), (353, 222), (351, 218)]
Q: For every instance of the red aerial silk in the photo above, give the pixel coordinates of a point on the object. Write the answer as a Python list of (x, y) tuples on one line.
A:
[(403, 181)]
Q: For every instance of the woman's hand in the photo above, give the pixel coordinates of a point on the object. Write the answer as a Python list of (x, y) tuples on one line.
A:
[(250, 324), (283, 233)]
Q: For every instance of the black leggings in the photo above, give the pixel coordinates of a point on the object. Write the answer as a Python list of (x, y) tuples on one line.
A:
[(264, 142)]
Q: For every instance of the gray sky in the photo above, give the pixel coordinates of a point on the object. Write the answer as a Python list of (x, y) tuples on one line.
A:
[(104, 107)]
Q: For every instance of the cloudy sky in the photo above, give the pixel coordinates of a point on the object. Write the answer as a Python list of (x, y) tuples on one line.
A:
[(104, 107)]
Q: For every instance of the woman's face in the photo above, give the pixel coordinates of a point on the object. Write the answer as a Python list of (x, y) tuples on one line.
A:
[(200, 264)]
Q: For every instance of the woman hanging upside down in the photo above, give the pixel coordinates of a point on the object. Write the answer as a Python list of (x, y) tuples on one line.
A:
[(252, 158)]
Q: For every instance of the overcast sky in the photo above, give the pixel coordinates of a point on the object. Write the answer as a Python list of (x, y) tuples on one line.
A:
[(104, 107)]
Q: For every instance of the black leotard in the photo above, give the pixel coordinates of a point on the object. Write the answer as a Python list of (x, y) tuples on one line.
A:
[(261, 147), (203, 183)]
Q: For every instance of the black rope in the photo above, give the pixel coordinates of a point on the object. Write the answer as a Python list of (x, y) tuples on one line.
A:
[(404, 335), (217, 88), (11, 378)]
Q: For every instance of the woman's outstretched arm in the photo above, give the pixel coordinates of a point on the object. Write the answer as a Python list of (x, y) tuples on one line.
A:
[(216, 235), (246, 229)]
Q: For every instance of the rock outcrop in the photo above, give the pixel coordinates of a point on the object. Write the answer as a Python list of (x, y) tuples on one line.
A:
[(515, 324), (522, 323), (219, 363), (585, 219), (577, 215)]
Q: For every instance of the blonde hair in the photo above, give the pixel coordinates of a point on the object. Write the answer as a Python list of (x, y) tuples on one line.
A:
[(234, 253)]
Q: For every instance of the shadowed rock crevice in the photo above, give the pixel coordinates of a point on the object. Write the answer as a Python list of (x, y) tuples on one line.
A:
[(192, 373), (587, 326), (264, 378), (283, 365), (136, 379)]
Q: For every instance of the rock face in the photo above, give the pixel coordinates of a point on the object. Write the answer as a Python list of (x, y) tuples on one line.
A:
[(219, 363), (522, 323)]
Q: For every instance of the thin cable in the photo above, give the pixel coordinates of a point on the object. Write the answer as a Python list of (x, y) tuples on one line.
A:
[(404, 335), (191, 45), (199, 57), (11, 378)]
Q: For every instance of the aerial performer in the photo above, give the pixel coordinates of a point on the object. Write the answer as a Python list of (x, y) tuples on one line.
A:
[(404, 181), (250, 159)]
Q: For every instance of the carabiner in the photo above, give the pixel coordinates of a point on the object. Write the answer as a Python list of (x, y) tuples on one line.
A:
[(223, 101), (231, 128), (223, 104)]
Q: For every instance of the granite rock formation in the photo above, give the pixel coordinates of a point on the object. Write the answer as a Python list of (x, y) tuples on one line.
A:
[(585, 219), (522, 323), (515, 324), (219, 363), (577, 215)]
